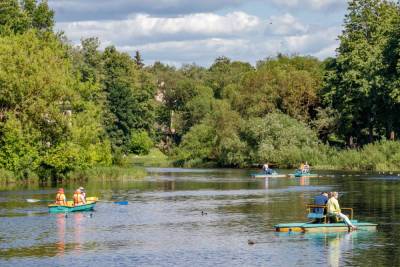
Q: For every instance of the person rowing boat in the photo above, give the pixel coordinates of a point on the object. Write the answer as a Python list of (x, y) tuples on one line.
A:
[(267, 170)]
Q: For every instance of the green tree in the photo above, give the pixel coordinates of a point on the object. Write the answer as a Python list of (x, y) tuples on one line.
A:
[(138, 60), (47, 104), (280, 139), (355, 85), (20, 16), (140, 143)]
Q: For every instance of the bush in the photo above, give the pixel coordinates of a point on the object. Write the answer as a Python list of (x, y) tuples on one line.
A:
[(281, 139), (140, 143)]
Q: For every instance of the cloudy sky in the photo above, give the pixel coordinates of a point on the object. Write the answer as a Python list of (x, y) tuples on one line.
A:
[(197, 31)]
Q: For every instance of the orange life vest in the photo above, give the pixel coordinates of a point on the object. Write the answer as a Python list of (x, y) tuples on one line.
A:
[(60, 199), (78, 198)]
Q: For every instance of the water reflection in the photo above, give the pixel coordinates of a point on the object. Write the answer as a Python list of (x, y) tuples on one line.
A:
[(60, 223), (78, 218), (304, 181), (338, 245)]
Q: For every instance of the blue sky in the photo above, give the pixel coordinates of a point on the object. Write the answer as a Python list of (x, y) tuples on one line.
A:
[(197, 31)]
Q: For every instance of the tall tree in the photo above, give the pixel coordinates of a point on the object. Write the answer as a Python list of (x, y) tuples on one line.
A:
[(20, 16), (138, 59), (354, 82)]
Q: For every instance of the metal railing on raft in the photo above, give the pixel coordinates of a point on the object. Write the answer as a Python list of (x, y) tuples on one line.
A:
[(310, 207)]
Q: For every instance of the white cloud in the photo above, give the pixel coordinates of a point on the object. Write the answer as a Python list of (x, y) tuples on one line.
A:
[(285, 25), (201, 37), (144, 28), (312, 42), (79, 10), (311, 4)]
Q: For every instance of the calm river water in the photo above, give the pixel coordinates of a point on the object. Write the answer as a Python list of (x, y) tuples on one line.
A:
[(163, 224)]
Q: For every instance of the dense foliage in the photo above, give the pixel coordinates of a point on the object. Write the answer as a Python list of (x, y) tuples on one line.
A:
[(67, 109)]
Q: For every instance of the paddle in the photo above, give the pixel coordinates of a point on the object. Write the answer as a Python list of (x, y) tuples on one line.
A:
[(114, 202), (32, 200)]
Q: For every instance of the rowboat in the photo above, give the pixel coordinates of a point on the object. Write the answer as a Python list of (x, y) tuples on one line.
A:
[(263, 175), (320, 223), (298, 174), (90, 204)]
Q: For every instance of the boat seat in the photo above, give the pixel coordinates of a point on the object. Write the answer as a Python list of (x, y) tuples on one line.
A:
[(313, 215)]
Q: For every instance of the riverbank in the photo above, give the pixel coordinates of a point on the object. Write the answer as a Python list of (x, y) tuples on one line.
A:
[(154, 159), (381, 156), (100, 173)]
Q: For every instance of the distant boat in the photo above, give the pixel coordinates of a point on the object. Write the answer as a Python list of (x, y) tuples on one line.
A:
[(264, 175), (299, 173)]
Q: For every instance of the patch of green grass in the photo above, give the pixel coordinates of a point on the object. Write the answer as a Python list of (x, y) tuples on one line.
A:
[(110, 173), (154, 159), (7, 176)]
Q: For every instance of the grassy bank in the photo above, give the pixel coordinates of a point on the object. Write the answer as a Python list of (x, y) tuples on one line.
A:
[(110, 173), (101, 173), (154, 159)]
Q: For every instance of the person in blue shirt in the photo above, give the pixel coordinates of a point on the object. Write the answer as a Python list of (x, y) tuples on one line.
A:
[(266, 169), (320, 200)]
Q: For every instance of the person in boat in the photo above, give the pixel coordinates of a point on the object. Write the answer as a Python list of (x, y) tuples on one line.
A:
[(320, 200), (60, 197), (266, 169), (79, 198), (301, 168), (333, 210), (83, 192), (306, 168)]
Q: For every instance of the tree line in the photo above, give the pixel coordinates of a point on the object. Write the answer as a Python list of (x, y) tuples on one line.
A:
[(65, 108)]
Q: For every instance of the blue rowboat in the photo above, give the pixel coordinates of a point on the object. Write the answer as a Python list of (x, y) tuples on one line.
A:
[(54, 208)]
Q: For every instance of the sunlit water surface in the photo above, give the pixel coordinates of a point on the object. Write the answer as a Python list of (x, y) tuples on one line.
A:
[(200, 217)]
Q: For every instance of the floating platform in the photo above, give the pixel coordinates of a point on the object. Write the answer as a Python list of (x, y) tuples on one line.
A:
[(323, 227)]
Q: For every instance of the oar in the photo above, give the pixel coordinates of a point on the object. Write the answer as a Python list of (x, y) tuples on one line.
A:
[(32, 200), (114, 202)]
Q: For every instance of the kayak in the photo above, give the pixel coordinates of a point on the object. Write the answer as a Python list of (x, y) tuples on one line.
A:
[(263, 175), (303, 174), (90, 204), (309, 227)]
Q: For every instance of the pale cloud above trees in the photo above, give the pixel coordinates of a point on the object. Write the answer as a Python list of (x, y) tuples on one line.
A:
[(186, 31)]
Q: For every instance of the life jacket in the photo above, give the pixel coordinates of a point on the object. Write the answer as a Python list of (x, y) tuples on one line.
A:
[(78, 198), (60, 199)]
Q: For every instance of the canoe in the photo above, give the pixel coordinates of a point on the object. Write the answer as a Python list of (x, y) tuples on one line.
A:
[(263, 175), (323, 227), (90, 204)]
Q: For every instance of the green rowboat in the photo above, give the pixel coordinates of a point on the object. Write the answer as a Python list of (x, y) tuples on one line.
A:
[(53, 208)]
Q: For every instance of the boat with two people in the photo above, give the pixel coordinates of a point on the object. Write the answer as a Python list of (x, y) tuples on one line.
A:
[(79, 203), (327, 218)]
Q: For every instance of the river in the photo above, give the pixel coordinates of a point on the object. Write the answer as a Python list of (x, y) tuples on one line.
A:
[(201, 217)]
